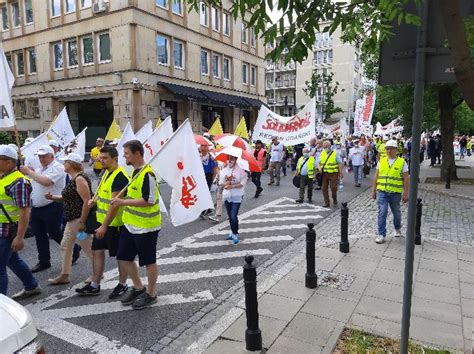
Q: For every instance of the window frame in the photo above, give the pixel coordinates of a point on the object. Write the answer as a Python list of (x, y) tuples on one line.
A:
[(25, 13), (17, 66), (98, 48), (226, 24), (207, 62), (215, 19), (52, 8), (246, 81), (183, 60), (167, 45), (229, 61), (66, 2), (218, 66), (165, 6), (83, 57), (253, 78), (87, 6), (181, 6), (68, 42), (253, 41), (205, 13), (29, 51), (17, 12), (60, 44), (243, 33), (3, 9)]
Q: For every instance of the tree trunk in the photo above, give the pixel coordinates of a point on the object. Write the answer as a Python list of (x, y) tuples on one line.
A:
[(446, 117), (457, 40)]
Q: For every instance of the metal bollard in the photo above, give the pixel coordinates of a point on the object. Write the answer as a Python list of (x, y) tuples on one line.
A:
[(311, 279), (253, 335), (344, 244), (419, 211)]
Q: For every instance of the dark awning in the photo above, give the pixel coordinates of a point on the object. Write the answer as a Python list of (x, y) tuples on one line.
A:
[(253, 102), (225, 99), (184, 92)]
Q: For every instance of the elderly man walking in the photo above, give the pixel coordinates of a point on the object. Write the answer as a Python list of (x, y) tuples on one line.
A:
[(306, 171), (330, 165), (276, 158), (356, 157), (390, 185)]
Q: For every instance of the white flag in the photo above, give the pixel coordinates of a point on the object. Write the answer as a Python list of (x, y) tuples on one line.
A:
[(78, 145), (61, 129), (29, 151), (127, 135), (145, 132), (7, 116), (156, 140), (179, 164)]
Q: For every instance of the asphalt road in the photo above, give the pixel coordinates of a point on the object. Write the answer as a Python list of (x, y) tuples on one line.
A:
[(196, 266)]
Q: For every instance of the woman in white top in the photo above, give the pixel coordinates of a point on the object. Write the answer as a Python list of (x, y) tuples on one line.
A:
[(233, 180)]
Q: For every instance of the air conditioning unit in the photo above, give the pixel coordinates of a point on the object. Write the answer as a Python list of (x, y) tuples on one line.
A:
[(100, 6)]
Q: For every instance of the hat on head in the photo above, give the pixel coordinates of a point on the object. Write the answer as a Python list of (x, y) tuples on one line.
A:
[(259, 142), (391, 144), (73, 157), (8, 151), (53, 143), (44, 150), (28, 140)]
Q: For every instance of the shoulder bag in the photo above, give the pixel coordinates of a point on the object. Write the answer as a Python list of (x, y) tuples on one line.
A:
[(319, 175), (297, 178), (13, 226)]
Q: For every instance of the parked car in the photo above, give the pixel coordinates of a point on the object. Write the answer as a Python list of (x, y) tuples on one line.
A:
[(18, 333)]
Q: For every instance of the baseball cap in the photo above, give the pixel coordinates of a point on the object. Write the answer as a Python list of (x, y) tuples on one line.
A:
[(44, 150), (391, 144), (73, 157), (28, 140), (8, 151), (53, 143)]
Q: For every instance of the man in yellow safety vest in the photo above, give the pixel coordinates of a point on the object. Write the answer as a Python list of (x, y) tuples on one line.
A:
[(330, 165), (305, 169), (389, 187)]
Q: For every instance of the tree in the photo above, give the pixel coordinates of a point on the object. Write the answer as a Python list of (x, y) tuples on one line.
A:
[(324, 81)]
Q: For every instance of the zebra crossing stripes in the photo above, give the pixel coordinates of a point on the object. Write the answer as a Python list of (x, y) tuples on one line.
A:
[(212, 256), (245, 241), (281, 218)]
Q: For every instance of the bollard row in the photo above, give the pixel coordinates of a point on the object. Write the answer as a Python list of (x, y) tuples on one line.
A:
[(311, 279), (344, 244), (253, 334)]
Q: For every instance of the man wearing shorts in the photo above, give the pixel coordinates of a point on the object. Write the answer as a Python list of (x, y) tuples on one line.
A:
[(110, 219), (142, 223)]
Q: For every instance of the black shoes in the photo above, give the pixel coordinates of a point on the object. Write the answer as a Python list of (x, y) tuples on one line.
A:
[(39, 267), (88, 289), (132, 296), (299, 201), (257, 193), (143, 301), (118, 291)]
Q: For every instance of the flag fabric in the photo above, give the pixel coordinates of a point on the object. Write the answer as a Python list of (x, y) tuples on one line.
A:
[(126, 136), (179, 164), (7, 115), (29, 151), (241, 129), (78, 145), (216, 128), (61, 129), (145, 132), (114, 131), (156, 140)]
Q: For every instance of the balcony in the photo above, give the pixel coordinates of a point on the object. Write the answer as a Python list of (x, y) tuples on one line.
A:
[(280, 67), (281, 84)]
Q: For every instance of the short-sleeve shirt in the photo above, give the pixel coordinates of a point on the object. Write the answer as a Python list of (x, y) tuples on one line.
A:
[(20, 191), (276, 152), (208, 164), (95, 152), (55, 172)]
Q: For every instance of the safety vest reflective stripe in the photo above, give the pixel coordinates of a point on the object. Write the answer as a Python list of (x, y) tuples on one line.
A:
[(390, 177), (329, 162), (103, 200), (104, 197), (310, 165), (7, 202), (10, 207), (139, 213)]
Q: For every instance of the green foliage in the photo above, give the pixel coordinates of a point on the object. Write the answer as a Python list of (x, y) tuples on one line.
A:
[(324, 81), (464, 119), (6, 138)]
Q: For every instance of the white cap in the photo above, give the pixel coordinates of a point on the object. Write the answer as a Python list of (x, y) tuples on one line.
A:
[(8, 151), (44, 150), (28, 140), (53, 143), (392, 144), (73, 157), (385, 138), (114, 142)]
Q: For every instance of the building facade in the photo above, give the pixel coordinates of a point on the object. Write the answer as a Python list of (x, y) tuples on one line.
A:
[(285, 82), (132, 60)]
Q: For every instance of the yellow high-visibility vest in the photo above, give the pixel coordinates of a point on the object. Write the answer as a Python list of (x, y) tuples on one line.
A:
[(390, 178), (331, 166), (8, 203), (309, 164), (104, 196)]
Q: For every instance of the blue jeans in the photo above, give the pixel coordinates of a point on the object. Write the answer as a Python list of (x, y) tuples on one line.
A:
[(357, 174), (17, 266), (232, 212), (384, 200)]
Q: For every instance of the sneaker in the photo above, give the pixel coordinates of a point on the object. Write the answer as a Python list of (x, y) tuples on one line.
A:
[(230, 237), (235, 239), (23, 294), (88, 289), (277, 184), (118, 291), (143, 301), (380, 239), (270, 183), (398, 233), (215, 218), (132, 296), (299, 200)]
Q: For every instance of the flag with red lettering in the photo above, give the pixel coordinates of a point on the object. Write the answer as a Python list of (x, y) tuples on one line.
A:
[(179, 164), (156, 140)]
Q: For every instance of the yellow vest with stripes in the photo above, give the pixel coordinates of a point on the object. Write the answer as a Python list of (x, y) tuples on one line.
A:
[(382, 152), (309, 165), (331, 166), (7, 201), (390, 178), (104, 196), (148, 217)]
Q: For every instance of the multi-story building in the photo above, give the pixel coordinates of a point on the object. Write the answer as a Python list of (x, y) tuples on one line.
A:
[(285, 83), (132, 60)]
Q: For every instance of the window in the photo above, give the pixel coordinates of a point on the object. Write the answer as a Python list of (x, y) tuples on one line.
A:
[(55, 8), (162, 3), (9, 60), (253, 75), (20, 64), (87, 50), (58, 55), (204, 62), (244, 33), (226, 73), (16, 14), (72, 53), (178, 51), (70, 5), (203, 14), (4, 18), (245, 73), (177, 7), (215, 19), (104, 47), (162, 48), (226, 23), (85, 3), (31, 61), (252, 37), (216, 65), (330, 56), (28, 12)]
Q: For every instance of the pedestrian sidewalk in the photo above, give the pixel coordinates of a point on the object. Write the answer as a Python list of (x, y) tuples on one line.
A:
[(363, 290)]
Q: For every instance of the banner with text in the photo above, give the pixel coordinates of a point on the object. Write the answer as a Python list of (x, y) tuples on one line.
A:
[(363, 113), (292, 130)]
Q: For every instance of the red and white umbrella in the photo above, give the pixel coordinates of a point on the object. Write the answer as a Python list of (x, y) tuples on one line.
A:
[(245, 159), (228, 140), (201, 140)]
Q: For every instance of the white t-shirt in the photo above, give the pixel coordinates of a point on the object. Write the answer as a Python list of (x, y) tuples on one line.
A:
[(391, 161), (356, 155), (234, 175), (276, 152), (55, 172)]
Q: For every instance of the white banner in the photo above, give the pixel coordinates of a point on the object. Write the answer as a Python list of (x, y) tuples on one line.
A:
[(339, 128), (61, 129), (7, 115), (363, 113), (393, 127), (29, 151), (145, 132), (179, 164), (78, 145), (159, 137), (127, 135), (290, 130)]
